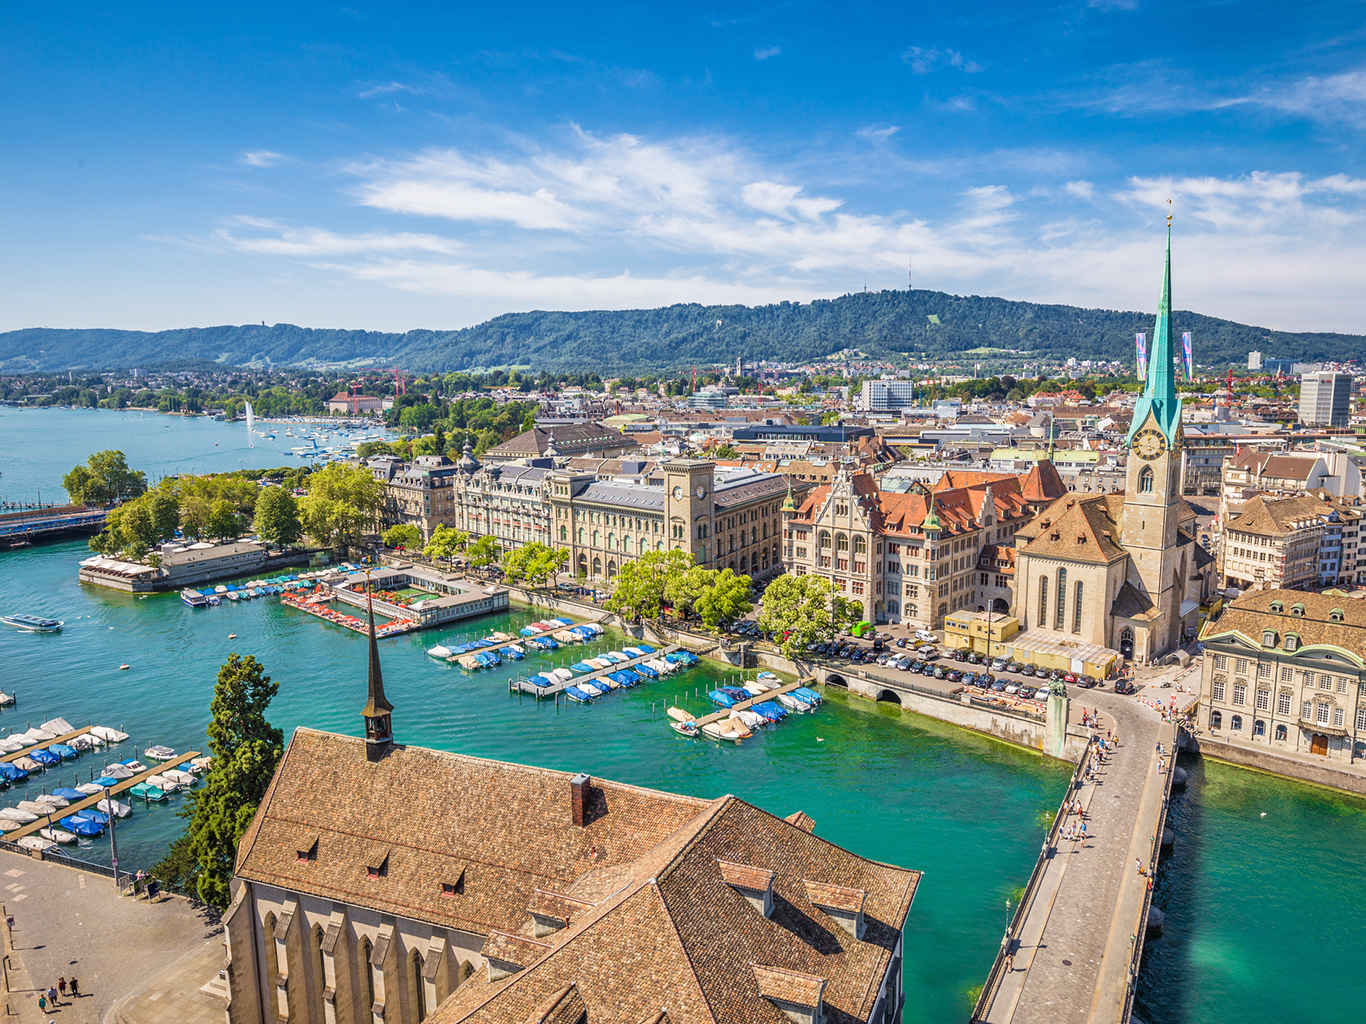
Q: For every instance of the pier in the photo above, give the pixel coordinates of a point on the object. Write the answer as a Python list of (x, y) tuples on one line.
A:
[(526, 686), (745, 705), (44, 744), (49, 523), (53, 820), (1071, 953)]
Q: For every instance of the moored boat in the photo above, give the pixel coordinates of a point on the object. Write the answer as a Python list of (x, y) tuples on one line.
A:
[(33, 623)]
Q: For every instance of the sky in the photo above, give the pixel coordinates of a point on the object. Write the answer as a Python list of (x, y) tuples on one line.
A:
[(400, 166)]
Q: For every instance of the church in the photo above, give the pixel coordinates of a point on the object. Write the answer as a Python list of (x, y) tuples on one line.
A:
[(1123, 571), (380, 883)]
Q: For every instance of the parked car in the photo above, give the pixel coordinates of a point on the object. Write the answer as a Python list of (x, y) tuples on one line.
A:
[(882, 659), (985, 680), (901, 641), (1124, 686), (925, 636), (928, 653), (1026, 670), (1000, 685), (1014, 666), (1086, 682), (961, 654), (1069, 677), (927, 669), (1013, 687), (999, 664), (884, 637), (974, 658), (938, 672), (953, 675), (917, 665)]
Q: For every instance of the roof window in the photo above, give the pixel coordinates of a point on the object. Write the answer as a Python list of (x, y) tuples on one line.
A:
[(843, 905), (800, 996), (377, 864), (1336, 615), (1277, 606), (1297, 610), (1292, 641), (754, 884), (308, 849)]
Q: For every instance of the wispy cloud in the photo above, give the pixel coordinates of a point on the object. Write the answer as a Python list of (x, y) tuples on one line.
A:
[(261, 158), (1334, 98), (259, 235), (765, 52), (878, 134), (923, 61)]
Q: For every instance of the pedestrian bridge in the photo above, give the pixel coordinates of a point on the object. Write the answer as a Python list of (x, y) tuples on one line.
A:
[(1071, 953)]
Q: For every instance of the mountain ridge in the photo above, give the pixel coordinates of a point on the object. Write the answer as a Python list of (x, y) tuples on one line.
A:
[(931, 324)]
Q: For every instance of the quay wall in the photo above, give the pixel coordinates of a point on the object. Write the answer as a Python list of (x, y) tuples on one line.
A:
[(1326, 774)]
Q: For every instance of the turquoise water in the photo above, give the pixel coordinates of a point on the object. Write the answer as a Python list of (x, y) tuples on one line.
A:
[(1263, 893), (893, 787)]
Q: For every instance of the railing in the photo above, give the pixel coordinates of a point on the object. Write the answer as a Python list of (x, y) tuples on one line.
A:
[(57, 857), (988, 993)]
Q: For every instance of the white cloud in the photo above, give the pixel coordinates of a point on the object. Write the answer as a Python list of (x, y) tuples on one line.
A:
[(923, 61), (1335, 98), (261, 158), (877, 134), (765, 52), (1080, 189), (273, 238)]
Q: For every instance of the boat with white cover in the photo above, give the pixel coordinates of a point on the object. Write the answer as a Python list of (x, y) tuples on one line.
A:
[(57, 726), (57, 835), (107, 734), (117, 808), (90, 788), (15, 814), (37, 843), (162, 783), (182, 777)]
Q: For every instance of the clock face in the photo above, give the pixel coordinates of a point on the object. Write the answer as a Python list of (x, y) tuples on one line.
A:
[(1149, 444), (701, 492), (678, 494)]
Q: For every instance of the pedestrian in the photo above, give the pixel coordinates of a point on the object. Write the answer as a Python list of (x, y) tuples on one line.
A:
[(1107, 734), (75, 987), (61, 987), (1083, 830), (1138, 865), (52, 995), (1010, 963), (42, 1003)]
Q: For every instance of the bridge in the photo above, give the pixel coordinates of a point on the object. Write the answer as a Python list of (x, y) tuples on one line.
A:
[(17, 528), (1071, 953)]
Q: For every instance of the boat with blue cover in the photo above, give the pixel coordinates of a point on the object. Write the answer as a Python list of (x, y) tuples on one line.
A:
[(807, 694), (647, 671), (64, 752), (721, 698), (82, 826), (772, 711), (44, 758), (580, 666), (12, 772), (67, 793), (579, 694)]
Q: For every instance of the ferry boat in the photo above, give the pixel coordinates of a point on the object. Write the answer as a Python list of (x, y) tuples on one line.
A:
[(32, 623), (194, 598)]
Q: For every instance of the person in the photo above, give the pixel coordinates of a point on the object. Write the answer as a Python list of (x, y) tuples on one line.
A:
[(1138, 865), (75, 987), (42, 1002), (1010, 963), (61, 987), (52, 995)]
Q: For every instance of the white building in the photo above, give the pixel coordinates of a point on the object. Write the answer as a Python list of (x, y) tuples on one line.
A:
[(1325, 398)]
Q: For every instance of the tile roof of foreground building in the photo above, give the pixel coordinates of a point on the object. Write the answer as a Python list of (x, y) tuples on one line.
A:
[(705, 909), (1258, 610)]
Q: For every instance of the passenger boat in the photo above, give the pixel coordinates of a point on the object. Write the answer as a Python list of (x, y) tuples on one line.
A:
[(33, 623), (194, 598)]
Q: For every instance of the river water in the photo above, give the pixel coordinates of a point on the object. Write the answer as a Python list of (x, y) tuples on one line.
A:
[(1252, 902)]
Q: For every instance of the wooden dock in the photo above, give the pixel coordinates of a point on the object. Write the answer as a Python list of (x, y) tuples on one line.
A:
[(744, 705), (53, 820), (525, 686), (502, 645), (43, 745)]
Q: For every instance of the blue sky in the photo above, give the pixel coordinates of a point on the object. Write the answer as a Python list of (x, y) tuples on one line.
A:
[(394, 167)]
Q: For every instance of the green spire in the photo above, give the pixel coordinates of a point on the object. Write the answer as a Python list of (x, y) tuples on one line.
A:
[(789, 505), (1159, 392), (931, 517)]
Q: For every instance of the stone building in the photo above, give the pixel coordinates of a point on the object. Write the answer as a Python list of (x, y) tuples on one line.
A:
[(380, 882), (1123, 571), (1288, 670), (1293, 542), (568, 439)]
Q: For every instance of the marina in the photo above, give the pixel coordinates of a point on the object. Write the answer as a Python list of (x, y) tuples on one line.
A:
[(574, 685)]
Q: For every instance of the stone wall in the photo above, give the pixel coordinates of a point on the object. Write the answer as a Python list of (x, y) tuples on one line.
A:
[(1324, 774)]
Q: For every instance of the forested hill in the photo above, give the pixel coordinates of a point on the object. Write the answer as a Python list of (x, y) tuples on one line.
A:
[(934, 324)]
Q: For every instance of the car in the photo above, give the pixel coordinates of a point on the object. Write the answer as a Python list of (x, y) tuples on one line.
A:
[(928, 652), (1087, 682), (869, 657), (1000, 685), (961, 654), (901, 641), (1013, 687), (884, 637), (927, 669), (1026, 670), (1000, 664), (1124, 686), (1069, 677), (938, 672), (882, 659), (925, 636), (1014, 666), (915, 666), (903, 664), (1057, 673), (974, 658), (953, 675), (879, 645), (985, 680)]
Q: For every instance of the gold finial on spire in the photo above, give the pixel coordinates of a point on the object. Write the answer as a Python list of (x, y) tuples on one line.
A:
[(1169, 213)]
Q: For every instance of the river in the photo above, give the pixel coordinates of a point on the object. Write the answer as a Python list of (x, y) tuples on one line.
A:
[(1251, 901)]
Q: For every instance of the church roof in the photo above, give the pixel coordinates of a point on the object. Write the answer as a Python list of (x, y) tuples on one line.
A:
[(1130, 604), (1159, 393), (1081, 528), (1043, 483)]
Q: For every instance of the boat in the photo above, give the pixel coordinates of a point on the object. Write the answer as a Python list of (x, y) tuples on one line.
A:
[(117, 808), (754, 689), (721, 698), (771, 710), (86, 741), (581, 666), (67, 793), (40, 809), (38, 735), (124, 667), (82, 826), (118, 771), (33, 623), (201, 764), (688, 729), (27, 764), (679, 715), (793, 703), (562, 674), (63, 751), (107, 734), (133, 765), (737, 726), (15, 814), (576, 693), (162, 783), (38, 843), (57, 726), (53, 800), (147, 792), (809, 695), (771, 677), (90, 788), (183, 777), (194, 598), (514, 652), (646, 670), (12, 745), (716, 731), (439, 652), (6, 699), (57, 835)]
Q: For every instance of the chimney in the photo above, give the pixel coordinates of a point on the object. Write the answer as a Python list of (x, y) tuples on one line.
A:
[(754, 884), (578, 798), (843, 905)]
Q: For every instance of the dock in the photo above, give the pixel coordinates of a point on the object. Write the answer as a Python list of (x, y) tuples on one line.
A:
[(526, 686), (745, 705), (44, 744), (53, 820), (395, 628)]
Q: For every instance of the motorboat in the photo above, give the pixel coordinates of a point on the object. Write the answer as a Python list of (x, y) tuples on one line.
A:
[(6, 699), (159, 753), (133, 765), (90, 788), (38, 843), (38, 735), (53, 800), (115, 808), (688, 729), (57, 835), (57, 726), (107, 734), (82, 826), (579, 694), (63, 751), (199, 765), (809, 695), (721, 698), (36, 808), (16, 814), (68, 793), (162, 783), (793, 703), (118, 771), (12, 745), (439, 652), (148, 792), (183, 777), (33, 623), (720, 731), (26, 764), (194, 598), (86, 741)]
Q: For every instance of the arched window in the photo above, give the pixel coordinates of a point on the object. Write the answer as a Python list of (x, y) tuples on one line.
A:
[(272, 964), (315, 947), (611, 569), (564, 533), (659, 545), (824, 538), (1043, 600), (583, 535), (1258, 727), (1236, 724), (597, 539), (611, 540), (366, 951), (1216, 720), (744, 564), (597, 566), (419, 989), (841, 542), (860, 546), (1059, 613), (1076, 610), (943, 610), (1281, 733), (1145, 480), (765, 531)]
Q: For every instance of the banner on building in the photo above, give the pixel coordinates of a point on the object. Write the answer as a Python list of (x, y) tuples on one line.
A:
[(1141, 342), (1186, 354)]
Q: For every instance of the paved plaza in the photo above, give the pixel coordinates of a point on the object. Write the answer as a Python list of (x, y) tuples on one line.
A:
[(137, 962)]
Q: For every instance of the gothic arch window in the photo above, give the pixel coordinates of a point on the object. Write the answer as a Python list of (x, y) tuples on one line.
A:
[(1145, 480), (315, 947), (366, 951), (418, 990), (1043, 600), (272, 964), (1076, 610), (1060, 613)]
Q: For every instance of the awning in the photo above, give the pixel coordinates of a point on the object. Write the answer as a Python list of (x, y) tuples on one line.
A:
[(1188, 606)]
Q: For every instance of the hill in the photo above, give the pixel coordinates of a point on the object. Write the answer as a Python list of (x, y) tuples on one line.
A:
[(934, 324)]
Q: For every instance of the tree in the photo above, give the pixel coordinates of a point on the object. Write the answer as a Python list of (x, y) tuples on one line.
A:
[(105, 477), (404, 535), (726, 599), (805, 607), (483, 552), (641, 582), (277, 518), (194, 516), (446, 542), (223, 521), (342, 501), (682, 589), (246, 750), (534, 563)]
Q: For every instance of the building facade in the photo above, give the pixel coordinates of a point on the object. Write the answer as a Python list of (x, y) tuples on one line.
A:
[(537, 895), (1326, 399), (565, 439), (1285, 669), (1294, 542)]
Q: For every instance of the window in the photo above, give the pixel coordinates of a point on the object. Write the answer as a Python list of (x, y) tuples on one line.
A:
[(1258, 728), (1264, 670), (1342, 685), (1283, 704), (1076, 610), (1307, 711), (1059, 614), (1321, 713), (1361, 719), (1239, 693), (1043, 600), (1325, 682), (1221, 661), (1236, 723), (1145, 481), (1216, 720), (1218, 689), (1281, 733), (1263, 700), (1286, 675), (1240, 666)]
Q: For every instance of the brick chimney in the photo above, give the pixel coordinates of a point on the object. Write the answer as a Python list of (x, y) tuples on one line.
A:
[(578, 798)]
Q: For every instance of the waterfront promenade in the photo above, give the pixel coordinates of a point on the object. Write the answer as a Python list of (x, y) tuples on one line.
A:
[(1073, 946)]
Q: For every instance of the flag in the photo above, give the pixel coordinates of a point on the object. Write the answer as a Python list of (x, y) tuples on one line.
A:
[(1186, 352), (1141, 340)]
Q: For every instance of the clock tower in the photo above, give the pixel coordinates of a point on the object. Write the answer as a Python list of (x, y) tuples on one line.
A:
[(688, 506), (1152, 495)]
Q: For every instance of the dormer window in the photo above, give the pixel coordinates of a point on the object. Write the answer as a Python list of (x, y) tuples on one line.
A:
[(377, 865), (309, 849), (1336, 615), (1277, 607), (754, 884), (1297, 610), (1292, 641), (456, 888), (1268, 638)]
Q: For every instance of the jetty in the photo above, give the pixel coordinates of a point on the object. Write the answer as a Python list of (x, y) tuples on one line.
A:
[(44, 744), (522, 685), (745, 705), (49, 522), (53, 820), (499, 647)]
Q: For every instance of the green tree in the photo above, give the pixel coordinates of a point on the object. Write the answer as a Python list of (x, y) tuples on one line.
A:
[(223, 520), (807, 608), (726, 599), (446, 542), (682, 589), (535, 563), (277, 518), (404, 535), (341, 503), (105, 477), (483, 553), (641, 583), (194, 516), (246, 750)]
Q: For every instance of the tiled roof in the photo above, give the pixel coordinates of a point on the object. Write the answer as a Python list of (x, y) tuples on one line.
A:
[(1130, 604), (563, 1007), (746, 876), (1078, 528), (1250, 614), (1043, 483), (789, 986), (802, 820), (1277, 516), (569, 439), (841, 897), (514, 949)]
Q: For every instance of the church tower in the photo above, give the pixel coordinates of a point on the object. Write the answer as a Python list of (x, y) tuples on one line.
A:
[(1152, 495), (379, 730)]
